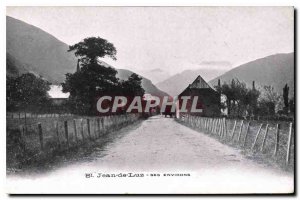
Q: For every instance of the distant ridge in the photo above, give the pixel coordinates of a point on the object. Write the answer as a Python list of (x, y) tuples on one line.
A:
[(30, 49), (38, 51), (275, 70), (175, 84)]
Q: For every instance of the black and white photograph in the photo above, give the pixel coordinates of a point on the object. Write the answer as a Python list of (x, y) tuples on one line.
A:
[(150, 100)]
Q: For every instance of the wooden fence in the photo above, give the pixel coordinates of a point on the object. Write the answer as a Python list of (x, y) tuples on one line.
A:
[(274, 139), (55, 134), (21, 115)]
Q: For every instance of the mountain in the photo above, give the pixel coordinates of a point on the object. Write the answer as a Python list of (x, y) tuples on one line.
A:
[(14, 67), (37, 51), (156, 75), (275, 70), (30, 49), (148, 86), (146, 83), (177, 83)]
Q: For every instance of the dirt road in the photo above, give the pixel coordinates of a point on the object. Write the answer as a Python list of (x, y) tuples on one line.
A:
[(163, 147)]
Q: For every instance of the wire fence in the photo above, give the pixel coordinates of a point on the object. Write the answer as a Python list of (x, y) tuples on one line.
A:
[(23, 115), (41, 136), (274, 140)]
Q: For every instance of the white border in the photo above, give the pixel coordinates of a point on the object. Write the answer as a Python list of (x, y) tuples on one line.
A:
[(5, 3)]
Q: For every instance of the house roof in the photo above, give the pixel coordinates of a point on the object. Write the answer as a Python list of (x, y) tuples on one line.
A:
[(198, 83)]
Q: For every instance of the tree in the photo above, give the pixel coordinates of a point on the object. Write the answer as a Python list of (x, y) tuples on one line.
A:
[(94, 80), (286, 98), (268, 101), (239, 98), (88, 84), (92, 48), (27, 93), (133, 86), (292, 105), (251, 100)]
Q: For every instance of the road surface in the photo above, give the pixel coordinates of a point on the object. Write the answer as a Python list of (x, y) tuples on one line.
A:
[(160, 146)]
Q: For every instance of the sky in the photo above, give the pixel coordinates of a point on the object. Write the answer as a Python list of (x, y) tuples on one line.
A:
[(173, 39)]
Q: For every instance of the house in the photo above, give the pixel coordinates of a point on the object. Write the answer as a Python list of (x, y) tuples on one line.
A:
[(208, 103), (59, 101)]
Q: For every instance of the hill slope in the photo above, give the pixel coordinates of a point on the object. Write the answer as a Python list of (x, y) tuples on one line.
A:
[(30, 49), (155, 75), (275, 70), (149, 88), (38, 50)]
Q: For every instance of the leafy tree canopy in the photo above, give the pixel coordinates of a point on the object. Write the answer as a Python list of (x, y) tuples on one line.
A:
[(133, 86), (238, 97), (92, 48), (94, 80), (27, 93)]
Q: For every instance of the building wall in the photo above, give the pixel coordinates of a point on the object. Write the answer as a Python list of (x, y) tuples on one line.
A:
[(59, 101), (208, 100)]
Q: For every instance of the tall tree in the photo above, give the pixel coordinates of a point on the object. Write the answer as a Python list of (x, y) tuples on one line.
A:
[(286, 98), (91, 80), (94, 80), (88, 84), (92, 48)]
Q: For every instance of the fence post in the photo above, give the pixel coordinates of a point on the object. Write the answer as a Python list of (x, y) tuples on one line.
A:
[(232, 132), (102, 123), (67, 133), (57, 132), (214, 126), (208, 125), (81, 125), (240, 132), (75, 130), (41, 136), (220, 127), (192, 121), (25, 120), (23, 143), (289, 144), (89, 128), (265, 136), (200, 123), (95, 128), (256, 137), (98, 125), (247, 130), (276, 139), (225, 127)]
